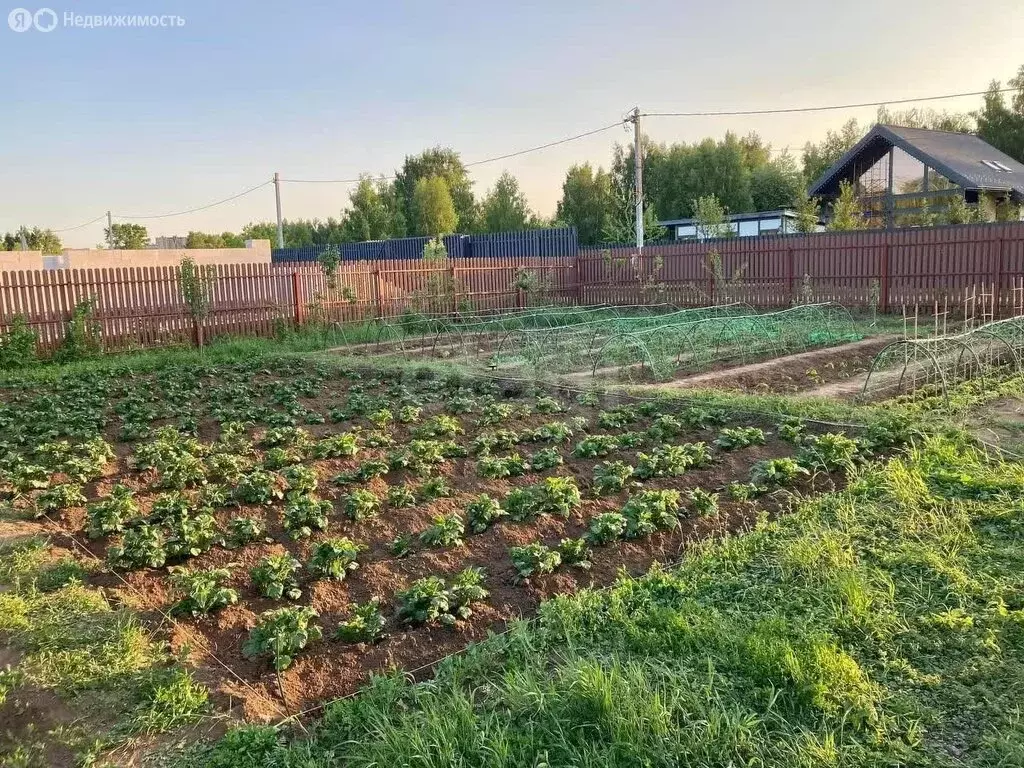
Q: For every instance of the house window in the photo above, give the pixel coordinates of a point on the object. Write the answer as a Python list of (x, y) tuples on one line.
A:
[(748, 228), (686, 232), (771, 226)]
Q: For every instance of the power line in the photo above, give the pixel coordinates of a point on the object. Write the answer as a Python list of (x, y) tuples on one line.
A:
[(200, 208), (79, 226), (475, 162), (826, 108)]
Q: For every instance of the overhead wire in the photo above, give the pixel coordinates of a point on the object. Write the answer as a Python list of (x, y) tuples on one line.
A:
[(250, 190)]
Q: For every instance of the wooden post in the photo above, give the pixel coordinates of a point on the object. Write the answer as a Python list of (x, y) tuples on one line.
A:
[(579, 279), (452, 275), (883, 299), (997, 276), (377, 291), (790, 275), (297, 294)]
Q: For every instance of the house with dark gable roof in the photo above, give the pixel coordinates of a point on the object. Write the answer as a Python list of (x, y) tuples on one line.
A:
[(903, 175)]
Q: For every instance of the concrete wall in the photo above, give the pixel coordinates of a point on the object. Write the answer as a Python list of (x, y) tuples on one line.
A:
[(256, 252), (13, 261)]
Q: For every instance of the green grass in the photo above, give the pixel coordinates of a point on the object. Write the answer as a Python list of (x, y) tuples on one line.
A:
[(879, 626)]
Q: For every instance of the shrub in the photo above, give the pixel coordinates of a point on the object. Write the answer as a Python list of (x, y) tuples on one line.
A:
[(444, 531), (400, 496), (203, 591), (274, 577), (535, 559), (483, 512), (606, 528), (775, 473), (829, 452), (361, 504), (364, 625), (281, 634), (191, 535), (304, 514), (740, 437), (83, 337), (650, 511), (140, 547), (611, 477), (495, 467), (335, 558), (17, 345), (110, 514), (575, 552), (244, 530), (704, 503), (545, 458)]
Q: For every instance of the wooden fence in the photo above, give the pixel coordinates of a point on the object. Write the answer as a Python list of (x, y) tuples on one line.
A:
[(143, 306)]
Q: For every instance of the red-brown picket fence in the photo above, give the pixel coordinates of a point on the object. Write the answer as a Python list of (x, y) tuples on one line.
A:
[(884, 270)]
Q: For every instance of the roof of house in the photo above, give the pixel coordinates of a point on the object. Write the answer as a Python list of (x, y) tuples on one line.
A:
[(750, 216), (962, 158)]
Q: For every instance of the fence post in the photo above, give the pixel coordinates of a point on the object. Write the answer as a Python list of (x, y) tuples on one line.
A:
[(997, 276), (377, 298), (790, 273), (297, 294), (883, 298), (455, 288), (579, 279)]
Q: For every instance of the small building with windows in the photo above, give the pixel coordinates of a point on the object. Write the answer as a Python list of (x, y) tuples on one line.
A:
[(782, 222), (909, 176)]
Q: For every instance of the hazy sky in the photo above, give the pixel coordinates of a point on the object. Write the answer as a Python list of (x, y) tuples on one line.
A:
[(158, 120)]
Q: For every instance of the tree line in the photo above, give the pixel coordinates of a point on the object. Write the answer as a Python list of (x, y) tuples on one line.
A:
[(432, 194)]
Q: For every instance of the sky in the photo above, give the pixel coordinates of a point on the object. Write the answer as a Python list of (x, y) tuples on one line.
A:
[(146, 121)]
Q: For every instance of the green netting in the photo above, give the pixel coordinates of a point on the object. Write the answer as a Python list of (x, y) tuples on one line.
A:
[(932, 366)]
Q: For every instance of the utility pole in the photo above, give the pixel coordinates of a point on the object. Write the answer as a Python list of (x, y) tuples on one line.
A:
[(280, 225), (110, 230), (638, 175)]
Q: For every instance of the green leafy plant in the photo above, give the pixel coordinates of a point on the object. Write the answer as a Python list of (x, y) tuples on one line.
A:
[(618, 418), (275, 577), (606, 528), (611, 477), (704, 503), (547, 405), (401, 546), (58, 498), (244, 530), (671, 460), (365, 624), (17, 345), (203, 591), (400, 496), (278, 458), (665, 427), (829, 452), (465, 588), (441, 425), (361, 504), (444, 531), (342, 445), (109, 515), (553, 495), (552, 432), (791, 429), (703, 418), (535, 559), (191, 535), (739, 437), (575, 552), (424, 601), (409, 414), (335, 558), (495, 467), (304, 513), (434, 488), (650, 511), (260, 487), (83, 337), (281, 634), (595, 446), (546, 458), (482, 513), (140, 547), (775, 473)]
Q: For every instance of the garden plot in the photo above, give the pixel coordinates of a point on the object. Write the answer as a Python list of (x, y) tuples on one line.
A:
[(307, 525)]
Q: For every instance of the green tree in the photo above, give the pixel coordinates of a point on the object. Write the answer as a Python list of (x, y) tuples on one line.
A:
[(958, 122), (846, 211), (433, 209), (205, 240), (36, 239), (1002, 124), (710, 218), (808, 213), (620, 224), (776, 185), (818, 158), (297, 232), (373, 213), (504, 207), (126, 237), (586, 202), (443, 162)]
